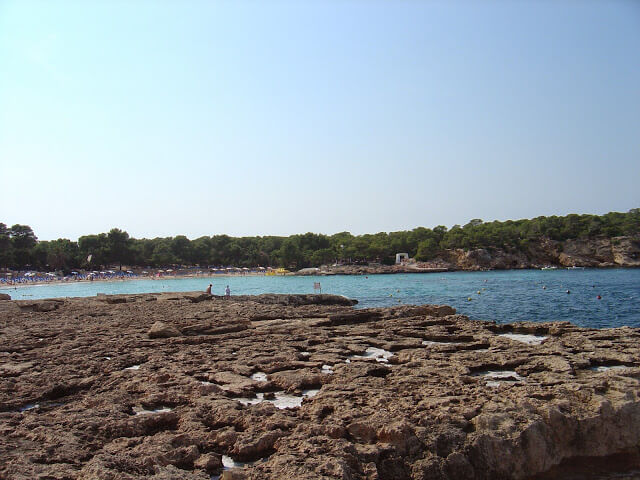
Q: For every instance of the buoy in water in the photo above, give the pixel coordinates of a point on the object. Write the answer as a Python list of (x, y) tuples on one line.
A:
[(599, 297), (391, 294), (568, 291), (479, 292), (469, 299), (544, 287)]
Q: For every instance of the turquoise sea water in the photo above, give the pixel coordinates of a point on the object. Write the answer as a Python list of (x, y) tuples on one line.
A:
[(505, 296)]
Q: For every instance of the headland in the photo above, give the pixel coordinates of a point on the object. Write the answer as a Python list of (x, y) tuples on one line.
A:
[(600, 252), (193, 386)]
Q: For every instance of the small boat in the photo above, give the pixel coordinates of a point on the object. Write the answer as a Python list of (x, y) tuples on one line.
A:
[(575, 268), (549, 268)]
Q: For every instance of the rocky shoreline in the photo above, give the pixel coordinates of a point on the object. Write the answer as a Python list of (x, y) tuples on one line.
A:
[(192, 386), (592, 253), (371, 269), (601, 252)]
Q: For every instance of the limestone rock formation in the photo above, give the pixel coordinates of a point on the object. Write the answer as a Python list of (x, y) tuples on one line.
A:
[(162, 330), (306, 387), (592, 252)]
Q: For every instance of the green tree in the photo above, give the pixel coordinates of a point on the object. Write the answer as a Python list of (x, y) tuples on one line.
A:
[(119, 246), (23, 240), (427, 250), (162, 254), (201, 251), (289, 253), (19, 247), (95, 246), (61, 254), (181, 249), (6, 249)]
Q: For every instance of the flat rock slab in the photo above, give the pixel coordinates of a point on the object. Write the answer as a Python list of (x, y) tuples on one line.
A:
[(163, 330), (305, 387)]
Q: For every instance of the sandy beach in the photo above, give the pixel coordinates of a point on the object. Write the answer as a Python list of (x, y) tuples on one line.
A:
[(151, 275)]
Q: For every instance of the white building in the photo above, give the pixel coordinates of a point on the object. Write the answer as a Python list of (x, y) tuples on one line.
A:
[(401, 258)]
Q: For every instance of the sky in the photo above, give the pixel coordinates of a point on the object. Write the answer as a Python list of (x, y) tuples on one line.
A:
[(246, 118)]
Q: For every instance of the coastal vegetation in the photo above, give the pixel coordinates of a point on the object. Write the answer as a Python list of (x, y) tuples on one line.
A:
[(20, 248)]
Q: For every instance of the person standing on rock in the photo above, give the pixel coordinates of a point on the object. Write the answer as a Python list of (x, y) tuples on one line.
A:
[(209, 289), (227, 292)]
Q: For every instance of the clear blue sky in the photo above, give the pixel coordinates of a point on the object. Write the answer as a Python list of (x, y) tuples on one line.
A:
[(273, 118)]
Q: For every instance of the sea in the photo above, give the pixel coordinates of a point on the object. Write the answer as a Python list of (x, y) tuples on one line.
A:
[(595, 298)]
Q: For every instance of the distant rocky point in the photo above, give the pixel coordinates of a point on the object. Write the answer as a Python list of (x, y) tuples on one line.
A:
[(194, 386), (596, 252)]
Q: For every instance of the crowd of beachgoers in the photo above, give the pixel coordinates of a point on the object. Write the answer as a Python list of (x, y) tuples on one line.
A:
[(33, 277)]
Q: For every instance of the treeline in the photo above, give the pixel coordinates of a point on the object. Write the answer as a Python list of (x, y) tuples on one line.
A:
[(20, 248)]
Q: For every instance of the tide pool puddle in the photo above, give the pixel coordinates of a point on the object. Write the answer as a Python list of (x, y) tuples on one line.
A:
[(251, 401), (524, 338), (280, 399), (378, 354), (286, 401), (495, 378), (143, 411), (603, 368), (35, 406), (259, 377), (228, 463), (327, 369), (28, 406)]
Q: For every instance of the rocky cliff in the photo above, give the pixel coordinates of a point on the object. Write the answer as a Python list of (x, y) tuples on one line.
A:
[(599, 252), (190, 386), (595, 252)]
